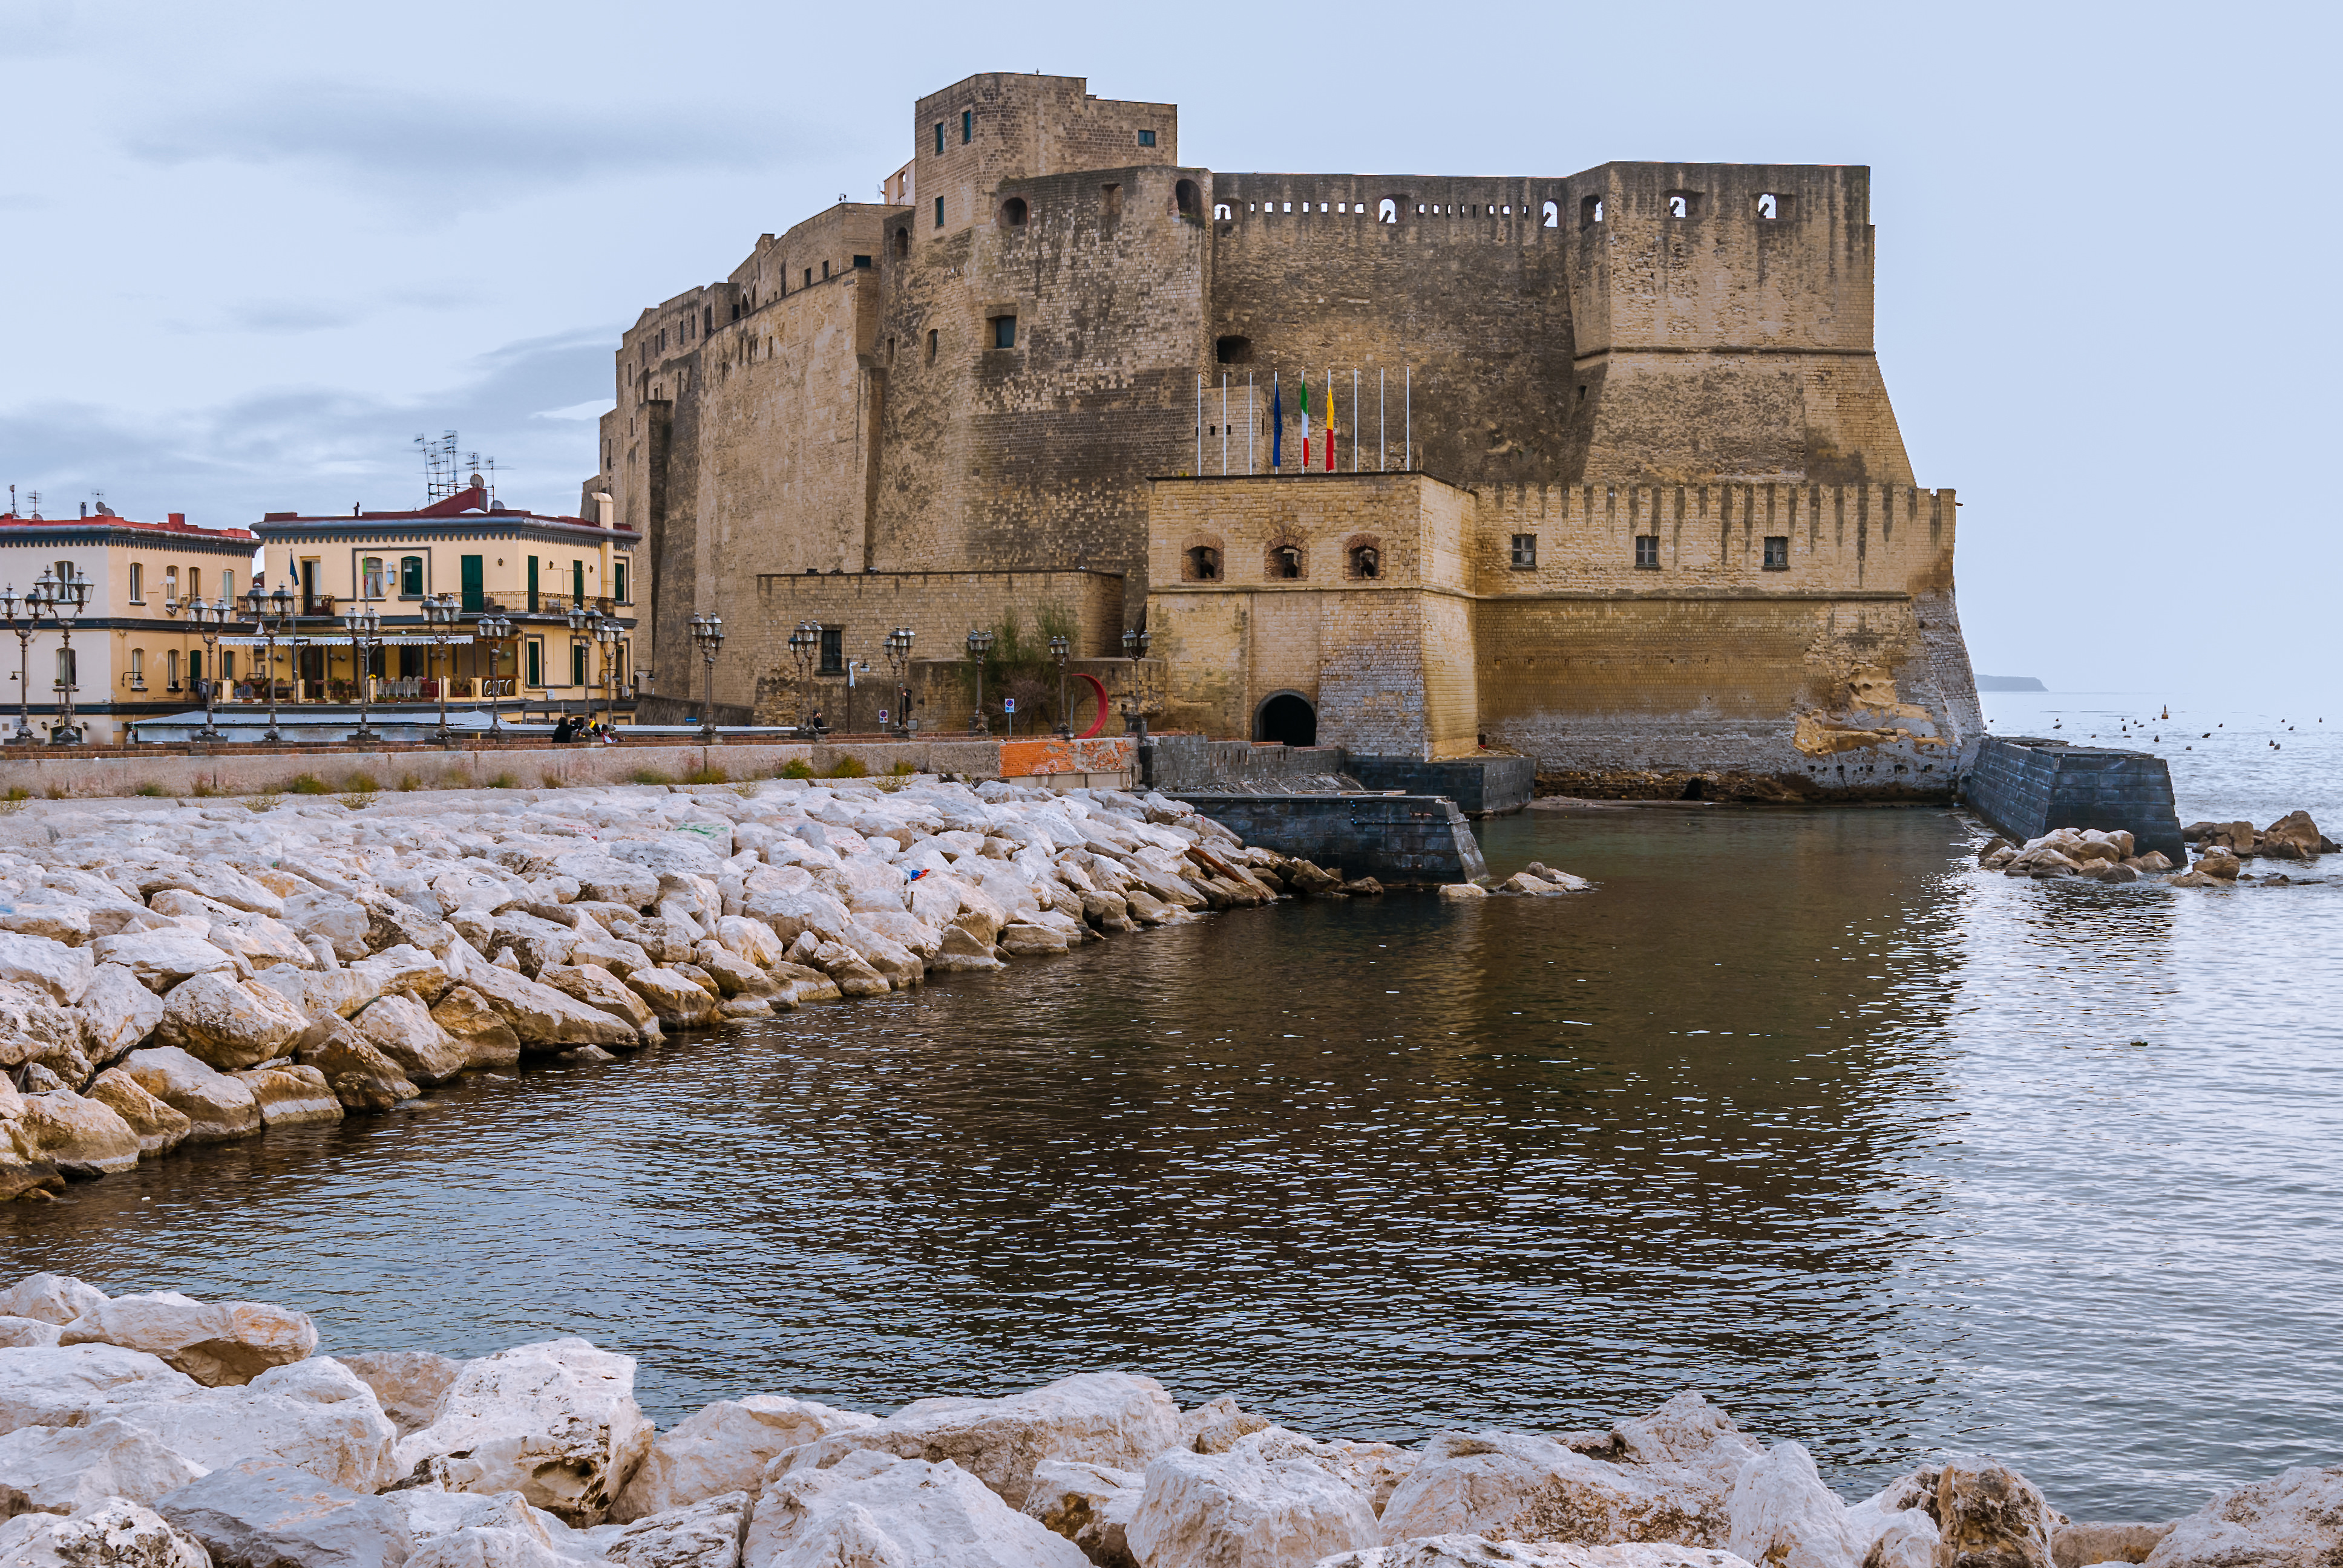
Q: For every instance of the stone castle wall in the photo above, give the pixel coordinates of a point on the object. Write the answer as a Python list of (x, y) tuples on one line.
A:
[(1640, 349)]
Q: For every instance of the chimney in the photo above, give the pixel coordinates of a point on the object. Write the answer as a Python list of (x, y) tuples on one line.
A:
[(85, 509), (178, 519)]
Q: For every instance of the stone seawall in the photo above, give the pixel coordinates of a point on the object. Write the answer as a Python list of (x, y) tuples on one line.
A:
[(1403, 839), (2028, 788), (58, 772)]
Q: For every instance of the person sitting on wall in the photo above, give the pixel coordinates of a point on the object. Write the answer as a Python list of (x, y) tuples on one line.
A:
[(566, 730)]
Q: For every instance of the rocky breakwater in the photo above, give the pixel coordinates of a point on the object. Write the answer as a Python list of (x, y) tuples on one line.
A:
[(203, 973), (2222, 848), (165, 1432)]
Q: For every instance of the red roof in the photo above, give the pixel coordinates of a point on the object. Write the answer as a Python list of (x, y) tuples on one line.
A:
[(175, 523), (471, 501)]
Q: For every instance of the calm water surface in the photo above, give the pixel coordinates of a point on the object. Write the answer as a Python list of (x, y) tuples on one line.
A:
[(1887, 1155)]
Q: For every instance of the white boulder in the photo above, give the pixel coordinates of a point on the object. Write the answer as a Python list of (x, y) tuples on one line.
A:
[(873, 1508), (1782, 1515), (65, 1469), (557, 1422), (1480, 1552), (409, 1385), (114, 1533), (1520, 1486), (217, 1107), (67, 1385), (314, 1415), (1113, 1419), (726, 1448), (61, 971), (214, 1342), (162, 959), (2294, 1519), (1265, 1502), (1090, 1505)]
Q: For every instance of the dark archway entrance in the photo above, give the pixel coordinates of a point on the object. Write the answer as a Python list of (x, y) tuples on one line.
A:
[(1287, 717)]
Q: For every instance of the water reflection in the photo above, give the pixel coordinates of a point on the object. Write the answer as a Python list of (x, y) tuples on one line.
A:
[(1769, 1114)]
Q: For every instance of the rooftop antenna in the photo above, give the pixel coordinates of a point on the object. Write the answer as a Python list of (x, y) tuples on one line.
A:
[(492, 481), (34, 497), (441, 475)]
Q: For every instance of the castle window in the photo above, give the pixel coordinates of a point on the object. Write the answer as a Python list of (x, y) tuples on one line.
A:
[(1683, 204), (1013, 212), (825, 272), (1777, 552), (1004, 332), (939, 135), (1647, 551), (1190, 199), (862, 261), (1524, 552), (967, 125), (1366, 562), (940, 212), (834, 651), (931, 346), (1387, 211), (1232, 350), (1203, 564), (808, 271), (1147, 139), (1285, 561), (1222, 210), (1773, 206), (902, 242), (1552, 213), (1590, 211)]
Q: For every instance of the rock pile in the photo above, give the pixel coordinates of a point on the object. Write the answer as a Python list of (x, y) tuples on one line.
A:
[(2074, 852), (164, 1432), (201, 974), (2293, 837), (2222, 849)]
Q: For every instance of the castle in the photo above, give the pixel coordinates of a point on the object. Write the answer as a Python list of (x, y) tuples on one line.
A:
[(1615, 482)]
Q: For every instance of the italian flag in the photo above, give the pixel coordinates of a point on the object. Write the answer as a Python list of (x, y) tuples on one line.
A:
[(1305, 421)]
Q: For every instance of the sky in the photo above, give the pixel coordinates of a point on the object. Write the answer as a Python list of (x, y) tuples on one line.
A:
[(253, 250)]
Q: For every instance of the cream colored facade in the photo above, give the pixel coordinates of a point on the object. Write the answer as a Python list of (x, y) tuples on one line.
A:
[(130, 656), (531, 568)]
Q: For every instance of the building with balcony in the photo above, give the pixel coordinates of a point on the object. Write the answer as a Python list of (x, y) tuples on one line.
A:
[(533, 570), (125, 655)]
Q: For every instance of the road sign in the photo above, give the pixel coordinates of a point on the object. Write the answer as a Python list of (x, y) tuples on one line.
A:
[(1008, 705)]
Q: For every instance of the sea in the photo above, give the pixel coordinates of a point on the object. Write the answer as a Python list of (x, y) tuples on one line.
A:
[(1883, 1153)]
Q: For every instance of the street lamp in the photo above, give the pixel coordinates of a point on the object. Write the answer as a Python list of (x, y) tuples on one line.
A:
[(708, 636), (1134, 703), (899, 660), (1059, 650), (980, 643), (493, 629), (271, 615), (439, 613), (365, 624), (66, 600), (24, 626), (608, 631), (208, 618), (803, 642)]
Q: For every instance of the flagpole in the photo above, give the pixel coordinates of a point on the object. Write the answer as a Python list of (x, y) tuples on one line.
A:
[(1383, 431), (1224, 424), (1355, 418), (1253, 423), (1199, 427), (1407, 421), (1330, 419)]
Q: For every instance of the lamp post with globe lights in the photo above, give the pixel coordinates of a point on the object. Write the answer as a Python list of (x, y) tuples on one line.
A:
[(439, 614), (708, 636), (66, 597), (493, 630), (207, 619), (898, 663), (608, 631), (1135, 701), (980, 643), (20, 611), (271, 614), (803, 642)]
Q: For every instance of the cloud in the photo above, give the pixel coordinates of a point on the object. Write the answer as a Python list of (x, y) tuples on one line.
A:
[(463, 152), (35, 27), (281, 316), (321, 448), (592, 408)]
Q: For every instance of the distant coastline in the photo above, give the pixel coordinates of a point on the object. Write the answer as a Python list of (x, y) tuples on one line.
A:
[(2009, 683)]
